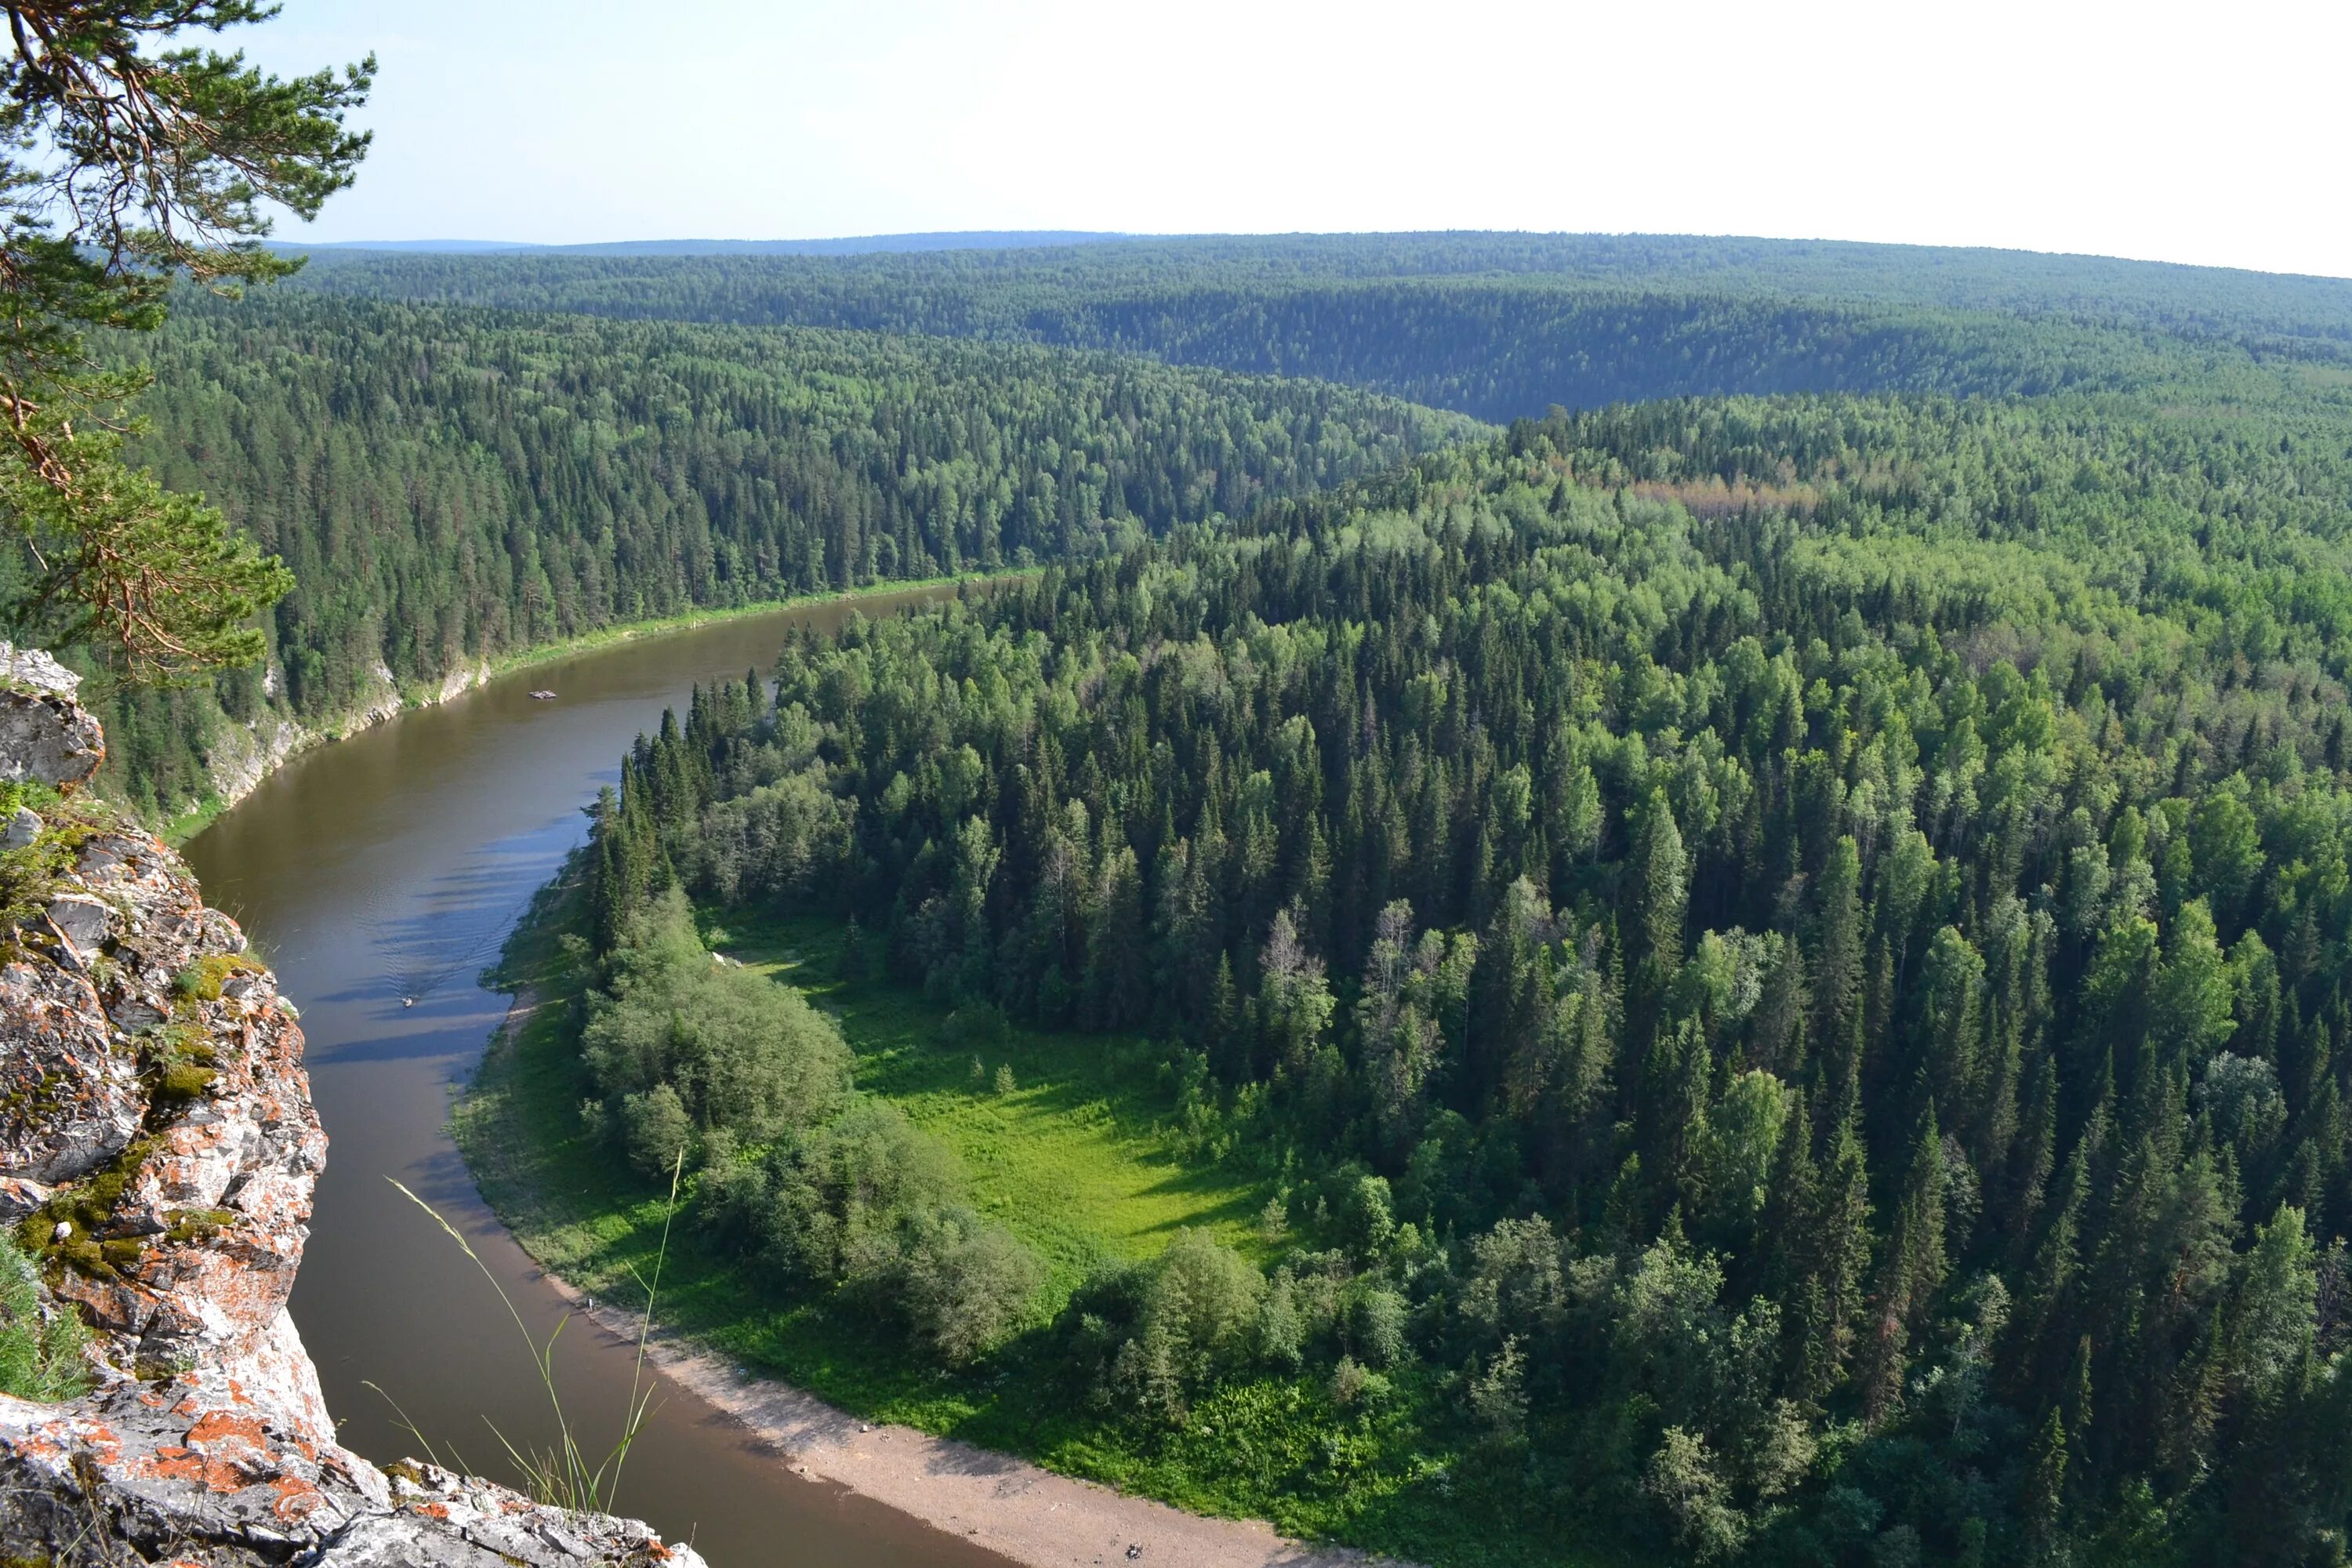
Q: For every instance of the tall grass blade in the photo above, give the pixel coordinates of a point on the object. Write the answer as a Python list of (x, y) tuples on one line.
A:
[(563, 1475)]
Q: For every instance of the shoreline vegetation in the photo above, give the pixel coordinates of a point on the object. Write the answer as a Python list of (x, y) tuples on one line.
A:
[(1031, 1515), (1079, 1160), (176, 830)]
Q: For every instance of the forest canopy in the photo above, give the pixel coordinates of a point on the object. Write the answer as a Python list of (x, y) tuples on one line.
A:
[(448, 485), (1798, 945)]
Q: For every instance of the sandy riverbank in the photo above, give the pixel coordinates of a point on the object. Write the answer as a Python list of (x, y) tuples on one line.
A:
[(1024, 1512), (1030, 1515)]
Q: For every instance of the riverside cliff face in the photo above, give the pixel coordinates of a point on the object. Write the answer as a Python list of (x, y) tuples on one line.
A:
[(158, 1151), (240, 756)]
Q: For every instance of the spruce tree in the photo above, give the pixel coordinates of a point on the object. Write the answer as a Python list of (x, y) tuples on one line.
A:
[(1839, 1261), (1910, 1274)]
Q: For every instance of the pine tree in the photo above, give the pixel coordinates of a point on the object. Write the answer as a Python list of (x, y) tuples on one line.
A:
[(2044, 1503), (1775, 1264), (1661, 885), (1835, 966), (1227, 1035), (136, 160)]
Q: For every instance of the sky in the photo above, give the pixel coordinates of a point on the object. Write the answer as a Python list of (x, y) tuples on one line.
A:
[(2207, 133)]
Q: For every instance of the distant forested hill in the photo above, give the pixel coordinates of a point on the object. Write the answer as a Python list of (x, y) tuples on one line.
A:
[(1500, 325), (519, 446), (450, 484)]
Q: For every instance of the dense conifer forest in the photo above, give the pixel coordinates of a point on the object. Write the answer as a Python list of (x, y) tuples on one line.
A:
[(1499, 326), (501, 463), (451, 485), (1793, 951), (1773, 940)]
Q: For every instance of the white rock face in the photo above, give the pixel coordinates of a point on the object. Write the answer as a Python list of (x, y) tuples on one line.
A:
[(32, 669), (163, 1178), (49, 740)]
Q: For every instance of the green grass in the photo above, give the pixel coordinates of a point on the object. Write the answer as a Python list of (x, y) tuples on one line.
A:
[(1071, 1161), (1075, 1161)]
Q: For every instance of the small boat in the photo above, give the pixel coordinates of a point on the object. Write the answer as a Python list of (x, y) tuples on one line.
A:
[(543, 696), (408, 1000)]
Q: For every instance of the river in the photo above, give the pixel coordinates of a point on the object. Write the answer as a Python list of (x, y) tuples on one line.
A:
[(390, 866)]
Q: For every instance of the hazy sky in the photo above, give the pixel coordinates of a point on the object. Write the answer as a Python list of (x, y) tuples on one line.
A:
[(2209, 132)]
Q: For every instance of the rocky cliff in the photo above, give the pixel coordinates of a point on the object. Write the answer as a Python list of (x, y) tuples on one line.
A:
[(158, 1150), (239, 755)]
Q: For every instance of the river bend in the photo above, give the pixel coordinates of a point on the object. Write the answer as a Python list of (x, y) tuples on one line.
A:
[(391, 866)]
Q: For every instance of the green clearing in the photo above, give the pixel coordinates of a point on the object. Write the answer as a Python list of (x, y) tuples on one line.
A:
[(1076, 1159), (1073, 1160)]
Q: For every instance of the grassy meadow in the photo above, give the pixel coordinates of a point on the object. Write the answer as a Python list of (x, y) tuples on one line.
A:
[(1067, 1140)]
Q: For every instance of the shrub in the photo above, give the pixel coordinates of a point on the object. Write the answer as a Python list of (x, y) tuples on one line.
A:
[(962, 1284), (1147, 1335), (1380, 1325), (873, 1203), (1516, 1285), (851, 964), (977, 1023), (1281, 1335), (740, 1052), (1204, 1300), (1683, 1478), (655, 1131), (1369, 1217), (1349, 1381), (40, 1350), (1498, 1394), (844, 1193)]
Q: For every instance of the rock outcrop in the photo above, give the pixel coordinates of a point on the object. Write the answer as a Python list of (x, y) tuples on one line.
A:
[(240, 756), (158, 1151), (44, 735)]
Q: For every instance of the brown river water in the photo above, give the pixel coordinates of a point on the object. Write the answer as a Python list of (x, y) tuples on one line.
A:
[(392, 865)]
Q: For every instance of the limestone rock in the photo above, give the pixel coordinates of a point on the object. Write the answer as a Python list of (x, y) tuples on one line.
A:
[(163, 1175), (189, 1471), (81, 920), (49, 740), (69, 1100), (34, 670)]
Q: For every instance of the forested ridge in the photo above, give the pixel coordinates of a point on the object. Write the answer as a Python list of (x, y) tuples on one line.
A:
[(449, 485), (1500, 326), (1787, 957), (2220, 301), (505, 462)]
